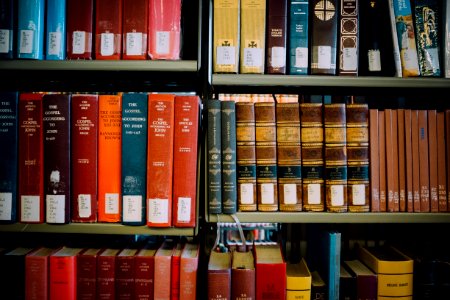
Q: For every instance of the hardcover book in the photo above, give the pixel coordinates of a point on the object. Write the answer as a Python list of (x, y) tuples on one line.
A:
[(366, 280), (348, 37), (391, 160), (395, 45), (175, 271), (8, 29), (382, 157), (276, 36), (442, 162), (243, 275), (125, 273), (424, 163), (106, 274), (347, 285), (298, 281), (87, 273), (409, 163), (80, 21), (30, 29), (219, 275), (63, 273), (318, 287), (188, 271), (108, 29), (214, 155), (433, 160), (446, 41), (135, 29), (36, 273), (401, 159), (298, 38), (144, 280), (13, 281), (374, 161), (415, 159), (56, 30), (163, 263)]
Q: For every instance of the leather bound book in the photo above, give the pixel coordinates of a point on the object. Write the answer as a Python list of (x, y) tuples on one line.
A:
[(424, 164), (324, 31), (219, 275), (276, 36), (188, 271), (185, 158), (144, 283), (125, 274), (415, 159), (382, 155), (401, 160), (214, 156), (442, 162), (163, 263), (63, 273), (31, 159), (13, 262), (409, 162), (135, 29), (36, 273), (8, 11), (348, 37), (270, 272), (87, 274), (57, 179), (374, 161), (242, 276), (246, 156), (298, 37), (80, 19), (106, 274), (298, 281), (108, 29), (433, 159), (289, 158)]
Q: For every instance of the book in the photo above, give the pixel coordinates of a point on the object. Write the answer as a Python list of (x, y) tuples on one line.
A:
[(189, 263), (164, 30), (36, 281), (109, 158), (219, 275), (447, 138), (328, 262), (108, 29), (160, 159), (8, 23), (392, 200), (347, 284), (270, 272), (175, 271), (395, 46), (433, 160), (30, 29), (55, 43), (401, 159), (374, 161), (106, 273), (366, 280), (63, 273), (163, 263), (298, 38), (84, 141), (134, 157), (242, 275), (214, 156), (8, 156), (13, 280), (185, 158), (276, 35), (442, 162), (226, 36), (318, 287), (135, 29), (348, 37), (446, 40), (80, 26), (144, 279), (31, 158), (57, 171), (298, 281), (126, 273), (415, 159), (424, 163), (409, 162), (382, 155), (86, 281)]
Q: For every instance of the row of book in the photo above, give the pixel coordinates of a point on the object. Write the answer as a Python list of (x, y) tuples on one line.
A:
[(128, 157), (165, 271), (335, 37), (88, 29)]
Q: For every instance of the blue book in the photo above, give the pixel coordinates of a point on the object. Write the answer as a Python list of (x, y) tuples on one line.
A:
[(334, 264), (298, 38), (134, 158), (56, 30), (8, 156), (7, 23), (30, 29)]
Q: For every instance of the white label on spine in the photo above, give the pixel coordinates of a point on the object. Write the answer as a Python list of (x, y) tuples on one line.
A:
[(4, 40), (226, 55), (184, 209), (374, 60), (26, 41), (29, 211), (278, 57), (158, 210), (107, 44), (84, 205), (162, 42), (134, 43), (5, 206), (337, 195), (132, 209), (253, 57), (301, 57), (54, 43), (78, 42), (111, 203), (324, 57), (290, 193), (349, 59), (314, 193), (410, 59), (55, 208), (359, 194), (247, 193), (267, 193)]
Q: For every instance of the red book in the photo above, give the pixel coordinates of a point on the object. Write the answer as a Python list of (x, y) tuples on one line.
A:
[(106, 274), (36, 273), (270, 272), (160, 159), (87, 274), (31, 159), (188, 271), (84, 157), (125, 274), (163, 264), (175, 272), (219, 275), (79, 28), (63, 274), (108, 29), (144, 273), (185, 160), (135, 28), (164, 29)]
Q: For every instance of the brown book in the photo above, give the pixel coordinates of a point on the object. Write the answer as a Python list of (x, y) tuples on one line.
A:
[(415, 159), (276, 36), (106, 274), (382, 153), (374, 162), (289, 156), (395, 164), (163, 264), (442, 163), (424, 165), (125, 274), (433, 159), (409, 162), (447, 144), (390, 160), (243, 276), (401, 160), (219, 276), (348, 38), (144, 261), (87, 274)]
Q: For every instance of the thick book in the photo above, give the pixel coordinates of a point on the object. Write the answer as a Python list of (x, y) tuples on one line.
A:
[(442, 162), (31, 159), (84, 142), (57, 171), (298, 281), (276, 36), (108, 29), (366, 280), (424, 162), (109, 158), (189, 263), (160, 159), (80, 27), (87, 273), (226, 36), (37, 265), (219, 275), (135, 29), (164, 30), (214, 156), (374, 161), (185, 158), (30, 29), (12, 281), (298, 38), (8, 29), (347, 284), (125, 273), (175, 271), (409, 162), (106, 274), (8, 156), (63, 273), (243, 275), (433, 160), (163, 263), (270, 272), (348, 37), (134, 157), (144, 261), (55, 42)]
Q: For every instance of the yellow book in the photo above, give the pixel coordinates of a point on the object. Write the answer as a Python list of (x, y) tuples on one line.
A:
[(298, 281)]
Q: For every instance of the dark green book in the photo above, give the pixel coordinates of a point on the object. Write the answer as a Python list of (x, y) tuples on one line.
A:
[(229, 177), (298, 38), (214, 149)]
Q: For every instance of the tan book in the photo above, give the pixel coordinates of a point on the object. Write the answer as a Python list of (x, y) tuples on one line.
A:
[(395, 164), (442, 162), (382, 153), (415, 159), (401, 159), (390, 160), (433, 159), (424, 164), (409, 162), (374, 162)]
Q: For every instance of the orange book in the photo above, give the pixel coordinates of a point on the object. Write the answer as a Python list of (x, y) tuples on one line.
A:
[(424, 164), (109, 158), (188, 271), (382, 155), (415, 159), (433, 159), (442, 162), (160, 159), (163, 265)]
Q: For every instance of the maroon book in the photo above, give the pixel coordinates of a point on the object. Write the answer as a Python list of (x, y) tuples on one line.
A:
[(80, 14), (84, 157), (276, 36), (125, 274), (87, 274), (106, 274), (36, 273), (144, 266)]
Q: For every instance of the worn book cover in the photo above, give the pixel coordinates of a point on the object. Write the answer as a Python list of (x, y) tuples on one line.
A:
[(229, 176), (108, 29), (135, 29), (189, 263), (276, 35), (80, 20), (55, 30), (243, 276), (219, 275), (214, 155), (348, 37), (30, 29)]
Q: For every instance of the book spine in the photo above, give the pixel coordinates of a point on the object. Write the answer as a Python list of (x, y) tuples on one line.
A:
[(391, 160), (415, 159), (447, 141), (186, 128), (108, 29), (424, 164), (109, 158), (8, 156), (106, 277), (229, 177), (312, 142), (335, 157), (214, 163), (188, 275), (409, 162), (86, 277), (125, 276), (8, 11), (80, 26), (56, 30), (36, 277), (298, 38), (160, 159), (30, 39), (289, 159), (253, 36), (134, 157), (266, 156), (56, 121), (349, 37), (442, 162), (175, 278), (396, 48), (246, 156), (270, 281), (31, 159), (219, 284), (276, 35), (135, 29), (358, 157), (374, 161), (395, 156), (144, 278), (433, 160), (243, 283), (226, 36), (63, 277), (84, 142), (162, 277), (446, 42), (382, 155), (401, 159)]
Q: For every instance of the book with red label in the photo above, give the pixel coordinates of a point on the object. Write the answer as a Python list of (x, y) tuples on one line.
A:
[(108, 29), (270, 272), (87, 273), (186, 127), (163, 265), (135, 28), (175, 272), (63, 273), (164, 30), (36, 273), (160, 159), (144, 263), (12, 277), (106, 274), (109, 158), (31, 159), (84, 140), (125, 274), (188, 271), (80, 18)]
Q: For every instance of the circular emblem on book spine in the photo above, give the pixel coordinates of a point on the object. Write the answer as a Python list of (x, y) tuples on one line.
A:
[(324, 10)]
